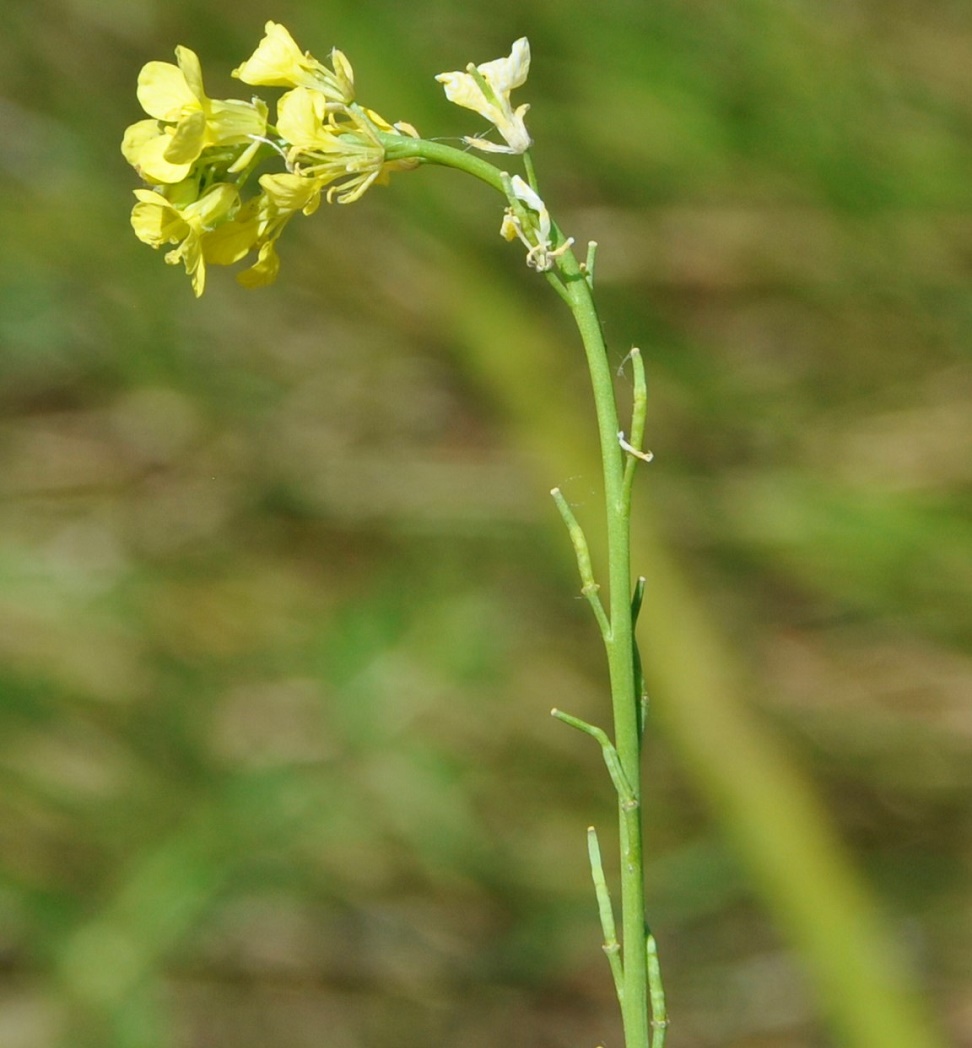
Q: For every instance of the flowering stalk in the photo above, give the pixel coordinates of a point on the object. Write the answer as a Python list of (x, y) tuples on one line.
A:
[(198, 157)]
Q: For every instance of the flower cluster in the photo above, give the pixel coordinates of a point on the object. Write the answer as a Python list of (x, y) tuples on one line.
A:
[(199, 156), (196, 154)]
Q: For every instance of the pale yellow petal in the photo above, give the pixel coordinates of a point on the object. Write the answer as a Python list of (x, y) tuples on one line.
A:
[(343, 73), (264, 270), (463, 90), (192, 71), (155, 221), (163, 91), (289, 192), (300, 114), (231, 122), (188, 139), (136, 137), (154, 167), (216, 205), (485, 145), (231, 241)]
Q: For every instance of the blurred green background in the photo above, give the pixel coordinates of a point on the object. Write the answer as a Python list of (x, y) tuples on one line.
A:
[(285, 602)]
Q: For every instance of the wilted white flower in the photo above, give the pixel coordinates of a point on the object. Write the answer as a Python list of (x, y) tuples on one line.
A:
[(536, 235), (486, 90)]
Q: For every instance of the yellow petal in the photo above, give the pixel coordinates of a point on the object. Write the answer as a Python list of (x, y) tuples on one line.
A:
[(155, 221), (264, 270), (214, 206), (190, 255), (163, 91), (300, 114), (291, 192), (509, 230), (195, 266), (231, 241), (188, 139), (191, 71), (153, 166), (137, 136)]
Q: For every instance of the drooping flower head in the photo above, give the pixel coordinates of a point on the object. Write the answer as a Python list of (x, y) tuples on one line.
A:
[(486, 90), (200, 157)]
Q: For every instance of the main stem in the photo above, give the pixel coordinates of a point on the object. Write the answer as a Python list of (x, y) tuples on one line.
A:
[(619, 639), (620, 653)]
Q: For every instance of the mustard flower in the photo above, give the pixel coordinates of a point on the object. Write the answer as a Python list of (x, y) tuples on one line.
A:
[(336, 146), (279, 62), (158, 221), (199, 153), (486, 90), (186, 121), (230, 241), (281, 198), (144, 147), (258, 225)]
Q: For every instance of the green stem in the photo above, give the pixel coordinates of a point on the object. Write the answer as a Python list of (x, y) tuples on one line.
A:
[(574, 286), (530, 172), (400, 147), (620, 653)]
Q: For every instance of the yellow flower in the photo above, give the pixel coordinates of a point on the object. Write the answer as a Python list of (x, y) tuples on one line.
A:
[(328, 143), (259, 223), (186, 121), (230, 241), (486, 90), (193, 147), (157, 221), (301, 114), (279, 62), (144, 147)]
